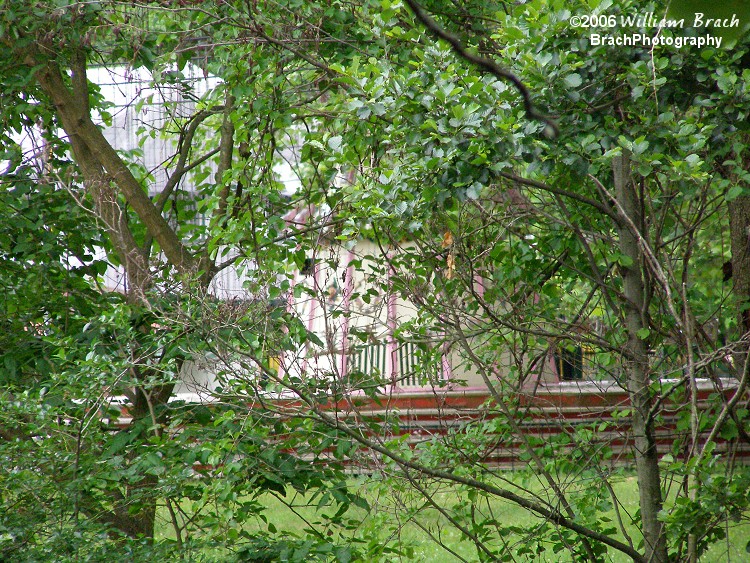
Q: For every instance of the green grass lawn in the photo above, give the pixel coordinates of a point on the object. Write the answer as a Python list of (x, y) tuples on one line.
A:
[(393, 517)]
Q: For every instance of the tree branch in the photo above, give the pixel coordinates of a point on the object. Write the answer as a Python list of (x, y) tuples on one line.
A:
[(77, 123), (185, 144), (484, 64), (331, 420), (226, 149), (598, 205)]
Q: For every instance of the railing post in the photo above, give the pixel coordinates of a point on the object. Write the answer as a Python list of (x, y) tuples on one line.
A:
[(391, 365), (348, 290)]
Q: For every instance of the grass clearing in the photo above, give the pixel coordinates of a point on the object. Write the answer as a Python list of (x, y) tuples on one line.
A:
[(404, 518)]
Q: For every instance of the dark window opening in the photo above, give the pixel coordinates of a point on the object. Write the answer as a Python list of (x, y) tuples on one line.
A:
[(569, 361)]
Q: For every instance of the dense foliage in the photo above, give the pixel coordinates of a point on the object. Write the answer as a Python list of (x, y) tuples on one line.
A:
[(530, 193)]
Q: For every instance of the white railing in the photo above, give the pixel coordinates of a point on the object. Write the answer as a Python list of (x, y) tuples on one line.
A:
[(402, 367)]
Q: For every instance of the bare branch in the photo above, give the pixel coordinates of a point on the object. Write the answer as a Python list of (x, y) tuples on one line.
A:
[(226, 148), (598, 205), (184, 147)]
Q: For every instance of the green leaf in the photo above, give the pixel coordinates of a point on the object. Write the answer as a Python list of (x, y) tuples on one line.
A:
[(118, 443), (734, 192), (625, 261), (343, 554), (573, 80), (335, 143)]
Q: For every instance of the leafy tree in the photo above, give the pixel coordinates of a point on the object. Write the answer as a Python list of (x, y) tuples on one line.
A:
[(77, 480), (512, 234), (608, 236)]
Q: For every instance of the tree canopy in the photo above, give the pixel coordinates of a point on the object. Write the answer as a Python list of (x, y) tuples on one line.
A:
[(526, 192)]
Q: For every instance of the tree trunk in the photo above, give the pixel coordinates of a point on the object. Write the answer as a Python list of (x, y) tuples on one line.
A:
[(739, 228), (107, 177), (144, 492), (636, 361)]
